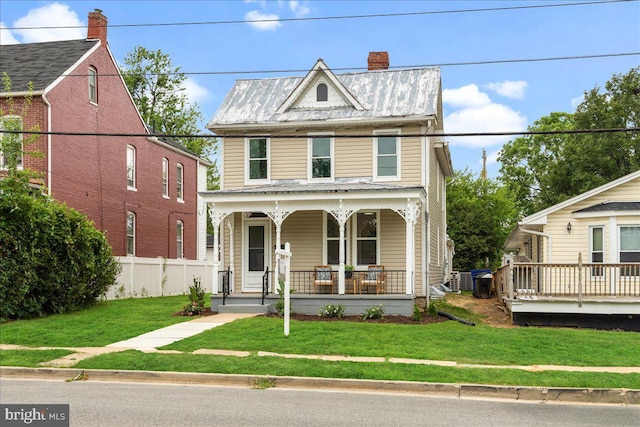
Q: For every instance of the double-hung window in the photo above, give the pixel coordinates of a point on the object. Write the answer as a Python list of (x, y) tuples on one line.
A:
[(180, 182), (179, 239), (131, 167), (93, 85), (387, 155), (165, 178), (367, 238), (596, 244), (332, 237), (630, 249), (321, 157), (131, 233), (257, 168), (11, 148)]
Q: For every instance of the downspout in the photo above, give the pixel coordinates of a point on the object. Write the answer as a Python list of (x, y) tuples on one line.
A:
[(538, 233), (44, 99)]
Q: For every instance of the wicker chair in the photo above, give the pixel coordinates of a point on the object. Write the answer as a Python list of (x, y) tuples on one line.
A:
[(322, 278), (373, 277)]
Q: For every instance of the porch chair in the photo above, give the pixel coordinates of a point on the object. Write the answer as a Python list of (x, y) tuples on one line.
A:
[(322, 277), (374, 276)]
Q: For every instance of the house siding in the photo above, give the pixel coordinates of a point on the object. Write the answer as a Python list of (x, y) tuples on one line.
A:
[(437, 219)]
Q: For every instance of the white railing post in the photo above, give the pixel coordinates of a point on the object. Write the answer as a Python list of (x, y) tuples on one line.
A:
[(579, 279)]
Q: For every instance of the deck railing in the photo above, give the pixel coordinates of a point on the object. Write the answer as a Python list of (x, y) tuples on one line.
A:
[(531, 280), (302, 282)]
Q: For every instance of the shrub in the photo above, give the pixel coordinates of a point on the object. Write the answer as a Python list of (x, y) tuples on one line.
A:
[(196, 299), (375, 312), (331, 310), (431, 310), (52, 258), (417, 313)]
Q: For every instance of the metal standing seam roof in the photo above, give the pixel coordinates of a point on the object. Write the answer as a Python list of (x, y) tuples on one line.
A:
[(40, 63), (384, 94), (334, 187)]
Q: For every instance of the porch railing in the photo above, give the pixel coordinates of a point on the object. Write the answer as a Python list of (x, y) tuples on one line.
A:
[(530, 280), (225, 279), (302, 282)]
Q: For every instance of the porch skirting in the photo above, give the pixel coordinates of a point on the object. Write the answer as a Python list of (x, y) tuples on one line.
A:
[(312, 304)]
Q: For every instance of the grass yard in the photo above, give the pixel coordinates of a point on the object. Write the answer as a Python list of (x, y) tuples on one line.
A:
[(275, 366), (30, 358), (439, 341), (106, 323)]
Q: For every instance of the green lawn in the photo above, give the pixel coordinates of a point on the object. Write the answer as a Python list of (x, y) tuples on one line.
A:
[(106, 323), (276, 366), (30, 358), (439, 341)]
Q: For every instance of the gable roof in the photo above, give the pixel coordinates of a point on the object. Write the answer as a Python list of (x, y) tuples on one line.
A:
[(41, 63), (611, 206), (411, 93)]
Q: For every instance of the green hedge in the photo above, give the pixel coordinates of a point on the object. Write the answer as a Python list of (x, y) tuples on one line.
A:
[(52, 259)]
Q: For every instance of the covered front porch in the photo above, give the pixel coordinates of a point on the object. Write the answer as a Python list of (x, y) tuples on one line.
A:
[(337, 233)]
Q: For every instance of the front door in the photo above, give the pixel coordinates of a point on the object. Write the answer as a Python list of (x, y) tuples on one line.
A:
[(256, 254)]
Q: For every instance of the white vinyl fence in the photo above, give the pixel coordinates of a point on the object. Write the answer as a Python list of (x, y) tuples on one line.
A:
[(152, 277)]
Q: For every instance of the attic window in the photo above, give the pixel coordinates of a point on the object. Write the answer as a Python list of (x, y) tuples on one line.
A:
[(321, 92)]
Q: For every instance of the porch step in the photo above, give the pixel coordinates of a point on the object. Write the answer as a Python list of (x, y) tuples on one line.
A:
[(243, 308)]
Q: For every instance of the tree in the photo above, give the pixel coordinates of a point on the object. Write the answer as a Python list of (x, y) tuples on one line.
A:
[(479, 219), (542, 170), (157, 88)]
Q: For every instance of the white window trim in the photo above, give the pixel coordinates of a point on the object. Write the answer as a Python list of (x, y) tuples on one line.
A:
[(604, 252), (354, 234), (387, 132), (311, 136), (2, 120), (132, 149), (180, 240), (620, 227), (325, 239), (180, 179), (165, 177), (247, 179), (133, 235), (93, 99)]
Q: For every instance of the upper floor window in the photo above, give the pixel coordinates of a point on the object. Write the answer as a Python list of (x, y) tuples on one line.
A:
[(179, 239), (387, 154), (11, 147), (367, 238), (179, 182), (321, 157), (131, 167), (165, 177), (322, 93), (257, 159), (131, 233), (93, 85)]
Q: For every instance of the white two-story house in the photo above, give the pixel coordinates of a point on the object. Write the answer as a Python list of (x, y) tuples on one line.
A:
[(350, 170)]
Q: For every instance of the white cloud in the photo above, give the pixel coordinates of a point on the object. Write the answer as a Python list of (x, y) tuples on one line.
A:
[(298, 8), (509, 88), (577, 101), (54, 14), (6, 37), (466, 96), (492, 157), (476, 113), (194, 91), (271, 21)]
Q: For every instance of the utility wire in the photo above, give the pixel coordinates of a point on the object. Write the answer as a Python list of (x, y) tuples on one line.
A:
[(328, 18), (300, 136)]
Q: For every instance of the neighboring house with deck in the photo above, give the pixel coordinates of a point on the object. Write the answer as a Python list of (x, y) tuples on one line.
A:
[(142, 189), (577, 263), (347, 168)]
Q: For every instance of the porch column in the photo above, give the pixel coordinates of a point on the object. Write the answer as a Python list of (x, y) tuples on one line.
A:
[(216, 219), (341, 215), (277, 216), (410, 214), (230, 225)]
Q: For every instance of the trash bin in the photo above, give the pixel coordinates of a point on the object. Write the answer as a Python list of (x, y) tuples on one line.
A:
[(484, 285), (475, 274)]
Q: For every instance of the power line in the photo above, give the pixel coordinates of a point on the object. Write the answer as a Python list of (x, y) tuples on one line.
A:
[(351, 136), (328, 18)]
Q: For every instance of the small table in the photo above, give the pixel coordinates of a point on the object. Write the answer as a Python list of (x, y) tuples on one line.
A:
[(351, 282)]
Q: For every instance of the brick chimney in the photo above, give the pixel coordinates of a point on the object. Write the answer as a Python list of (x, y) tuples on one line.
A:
[(378, 61), (97, 28)]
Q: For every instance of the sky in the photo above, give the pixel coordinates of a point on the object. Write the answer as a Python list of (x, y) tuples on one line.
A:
[(228, 40)]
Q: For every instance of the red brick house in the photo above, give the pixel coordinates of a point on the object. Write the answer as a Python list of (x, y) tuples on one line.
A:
[(141, 190)]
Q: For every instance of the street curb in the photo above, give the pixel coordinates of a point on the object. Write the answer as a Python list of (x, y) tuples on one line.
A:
[(617, 396)]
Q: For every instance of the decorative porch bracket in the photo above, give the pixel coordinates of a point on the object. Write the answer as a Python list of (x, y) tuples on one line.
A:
[(410, 213), (278, 216), (217, 216), (341, 215)]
